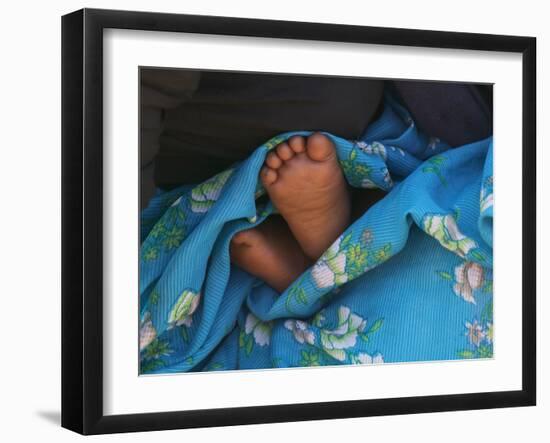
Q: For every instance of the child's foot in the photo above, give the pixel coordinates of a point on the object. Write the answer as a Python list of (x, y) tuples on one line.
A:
[(305, 183), (270, 252)]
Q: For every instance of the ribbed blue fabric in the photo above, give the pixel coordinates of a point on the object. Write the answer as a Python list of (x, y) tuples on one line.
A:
[(410, 280)]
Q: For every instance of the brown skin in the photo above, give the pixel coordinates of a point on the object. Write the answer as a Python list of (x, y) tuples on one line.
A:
[(305, 183), (270, 252)]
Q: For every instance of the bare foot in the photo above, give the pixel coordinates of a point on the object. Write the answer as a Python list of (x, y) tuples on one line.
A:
[(270, 252), (305, 183)]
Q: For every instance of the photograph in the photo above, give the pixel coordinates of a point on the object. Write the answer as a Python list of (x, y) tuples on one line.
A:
[(274, 221), (292, 221)]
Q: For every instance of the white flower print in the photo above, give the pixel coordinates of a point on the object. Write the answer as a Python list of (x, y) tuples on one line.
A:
[(387, 177), (319, 318), (474, 332), (393, 148), (375, 148), (147, 332), (335, 341), (185, 306), (366, 359), (330, 269), (260, 330), (206, 194), (486, 202), (177, 202), (367, 183), (445, 230), (489, 333), (469, 276), (432, 142), (486, 194), (301, 332)]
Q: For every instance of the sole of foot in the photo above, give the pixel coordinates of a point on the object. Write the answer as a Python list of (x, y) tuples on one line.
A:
[(305, 182)]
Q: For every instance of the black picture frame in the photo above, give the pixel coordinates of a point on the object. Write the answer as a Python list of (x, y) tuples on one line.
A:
[(82, 218)]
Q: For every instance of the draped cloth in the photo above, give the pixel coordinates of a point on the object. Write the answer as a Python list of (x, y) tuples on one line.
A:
[(409, 280)]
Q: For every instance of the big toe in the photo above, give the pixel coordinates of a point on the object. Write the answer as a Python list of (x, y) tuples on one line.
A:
[(320, 147)]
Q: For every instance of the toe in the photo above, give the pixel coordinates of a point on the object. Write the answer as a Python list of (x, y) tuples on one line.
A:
[(320, 147), (297, 143), (273, 161), (268, 176), (285, 152)]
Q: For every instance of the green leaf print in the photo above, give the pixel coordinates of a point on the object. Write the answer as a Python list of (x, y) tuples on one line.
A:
[(466, 353), (433, 167), (183, 308), (150, 253), (301, 296), (376, 326), (487, 312), (173, 238), (346, 240), (365, 336), (156, 349), (242, 336), (344, 260), (184, 334), (246, 342), (357, 257), (478, 256), (275, 141), (485, 351), (445, 275), (167, 234), (437, 160), (249, 344), (154, 297), (383, 253), (151, 365), (297, 293), (357, 174), (158, 230), (457, 213), (214, 366), (310, 358), (175, 214)]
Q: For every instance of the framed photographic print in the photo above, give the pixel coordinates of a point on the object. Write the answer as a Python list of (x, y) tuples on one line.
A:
[(269, 221)]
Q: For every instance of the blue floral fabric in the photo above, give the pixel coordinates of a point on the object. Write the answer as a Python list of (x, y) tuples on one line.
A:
[(410, 280)]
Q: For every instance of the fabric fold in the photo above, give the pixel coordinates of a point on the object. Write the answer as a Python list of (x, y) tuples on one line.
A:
[(427, 243)]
